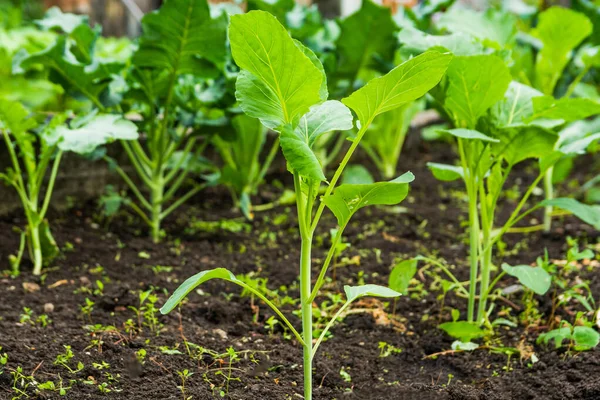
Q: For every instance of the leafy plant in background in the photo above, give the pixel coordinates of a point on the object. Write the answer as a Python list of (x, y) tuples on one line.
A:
[(499, 124), (35, 149), (558, 33), (283, 84), (243, 170), (194, 46)]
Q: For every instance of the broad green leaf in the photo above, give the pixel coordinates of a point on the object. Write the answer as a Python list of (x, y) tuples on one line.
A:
[(348, 199), (401, 275), (534, 278), (284, 82), (579, 146), (182, 38), (98, 131), (88, 80), (192, 282), (516, 108), (356, 174), (585, 338), (355, 292), (459, 44), (297, 143), (517, 145), (566, 109), (66, 22), (586, 213), (557, 335), (299, 156), (357, 47), (445, 172), (323, 91), (474, 84), (322, 118), (578, 130), (493, 27), (462, 330), (469, 134), (405, 83), (560, 30), (15, 117)]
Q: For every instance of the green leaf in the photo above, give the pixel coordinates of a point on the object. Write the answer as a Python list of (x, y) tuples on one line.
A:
[(326, 117), (586, 213), (88, 80), (517, 145), (459, 44), (297, 143), (474, 84), (182, 38), (299, 156), (558, 335), (534, 278), (66, 22), (516, 108), (580, 145), (348, 199), (401, 275), (15, 117), (469, 134), (493, 27), (355, 292), (192, 282), (405, 83), (100, 130), (560, 30), (565, 109), (445, 172), (356, 174), (462, 330), (281, 82), (356, 47), (585, 338)]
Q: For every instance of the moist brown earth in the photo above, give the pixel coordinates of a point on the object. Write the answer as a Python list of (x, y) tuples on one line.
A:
[(349, 365)]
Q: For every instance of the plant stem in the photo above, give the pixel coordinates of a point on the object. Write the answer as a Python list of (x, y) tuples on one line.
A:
[(37, 248), (156, 203), (549, 191), (305, 289)]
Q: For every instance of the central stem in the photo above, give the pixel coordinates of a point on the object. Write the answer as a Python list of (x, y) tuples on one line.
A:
[(37, 249), (549, 191), (473, 252), (157, 200), (305, 292)]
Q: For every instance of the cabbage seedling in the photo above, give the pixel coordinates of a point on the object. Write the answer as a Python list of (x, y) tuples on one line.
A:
[(479, 97), (29, 167), (283, 84)]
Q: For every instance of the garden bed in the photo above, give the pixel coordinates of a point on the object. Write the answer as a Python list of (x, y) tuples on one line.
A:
[(352, 364)]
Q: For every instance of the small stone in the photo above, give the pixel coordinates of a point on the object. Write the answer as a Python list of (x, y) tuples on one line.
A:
[(48, 308), (221, 333), (31, 287)]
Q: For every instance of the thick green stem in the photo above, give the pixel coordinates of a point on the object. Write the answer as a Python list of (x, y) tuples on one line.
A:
[(549, 191), (486, 267), (37, 248), (156, 203), (305, 290), (473, 253)]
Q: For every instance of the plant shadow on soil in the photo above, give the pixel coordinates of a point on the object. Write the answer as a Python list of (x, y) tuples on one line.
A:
[(271, 367)]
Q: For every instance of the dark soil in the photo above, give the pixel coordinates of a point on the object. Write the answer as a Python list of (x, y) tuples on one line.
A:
[(118, 253)]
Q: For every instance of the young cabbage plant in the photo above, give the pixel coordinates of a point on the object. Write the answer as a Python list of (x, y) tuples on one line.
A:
[(190, 44), (386, 137), (174, 43), (283, 84), (499, 124), (33, 151), (243, 170), (560, 31)]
